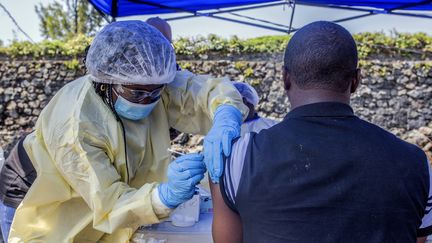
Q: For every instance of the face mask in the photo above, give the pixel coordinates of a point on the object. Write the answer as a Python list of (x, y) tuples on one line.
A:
[(133, 111)]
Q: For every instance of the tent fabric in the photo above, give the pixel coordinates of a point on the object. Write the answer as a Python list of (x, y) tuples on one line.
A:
[(138, 7), (142, 7)]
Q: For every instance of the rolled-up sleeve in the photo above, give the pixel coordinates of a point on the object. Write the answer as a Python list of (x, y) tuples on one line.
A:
[(191, 101), (426, 225), (233, 169)]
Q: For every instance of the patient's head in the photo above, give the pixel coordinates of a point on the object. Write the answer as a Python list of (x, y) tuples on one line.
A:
[(321, 56), (162, 26), (250, 98)]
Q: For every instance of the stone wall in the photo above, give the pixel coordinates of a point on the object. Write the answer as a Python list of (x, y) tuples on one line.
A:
[(25, 88), (396, 95)]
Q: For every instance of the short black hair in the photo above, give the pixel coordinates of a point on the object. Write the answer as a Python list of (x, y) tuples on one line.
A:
[(322, 55)]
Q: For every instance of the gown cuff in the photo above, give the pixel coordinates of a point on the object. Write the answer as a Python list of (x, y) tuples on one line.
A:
[(160, 209)]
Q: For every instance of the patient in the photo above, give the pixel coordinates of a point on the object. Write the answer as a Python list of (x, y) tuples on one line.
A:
[(162, 26), (322, 174)]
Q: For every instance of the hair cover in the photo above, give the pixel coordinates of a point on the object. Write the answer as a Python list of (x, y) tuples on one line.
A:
[(247, 92), (131, 52)]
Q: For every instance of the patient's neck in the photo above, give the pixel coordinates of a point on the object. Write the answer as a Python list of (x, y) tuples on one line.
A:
[(302, 97)]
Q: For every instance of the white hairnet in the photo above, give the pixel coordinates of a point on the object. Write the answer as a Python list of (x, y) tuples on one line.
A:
[(131, 52), (247, 92)]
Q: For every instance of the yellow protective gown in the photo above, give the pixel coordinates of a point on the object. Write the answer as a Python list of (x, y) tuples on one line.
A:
[(84, 190)]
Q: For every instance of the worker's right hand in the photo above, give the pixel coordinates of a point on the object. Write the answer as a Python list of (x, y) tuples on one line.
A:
[(226, 127), (184, 174)]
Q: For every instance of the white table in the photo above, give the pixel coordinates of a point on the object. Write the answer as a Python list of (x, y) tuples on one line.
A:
[(167, 233)]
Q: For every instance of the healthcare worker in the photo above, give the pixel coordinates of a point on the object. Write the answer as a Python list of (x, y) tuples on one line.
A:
[(212, 150), (253, 122), (100, 146)]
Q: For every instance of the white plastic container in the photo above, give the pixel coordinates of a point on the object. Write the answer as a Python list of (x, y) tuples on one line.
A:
[(187, 214)]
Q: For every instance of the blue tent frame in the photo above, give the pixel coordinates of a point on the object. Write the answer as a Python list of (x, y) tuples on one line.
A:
[(110, 9)]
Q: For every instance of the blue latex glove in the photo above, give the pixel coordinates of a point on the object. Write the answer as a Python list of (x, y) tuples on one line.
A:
[(226, 127), (184, 174)]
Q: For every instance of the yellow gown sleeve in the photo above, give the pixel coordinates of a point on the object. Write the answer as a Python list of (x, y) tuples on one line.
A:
[(191, 100), (84, 157)]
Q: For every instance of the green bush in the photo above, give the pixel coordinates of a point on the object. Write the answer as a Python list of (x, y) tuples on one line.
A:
[(240, 65), (185, 65), (72, 64), (214, 44), (55, 48), (369, 45), (248, 72), (397, 44)]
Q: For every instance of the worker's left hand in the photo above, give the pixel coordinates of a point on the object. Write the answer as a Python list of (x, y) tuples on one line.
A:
[(184, 174), (226, 127)]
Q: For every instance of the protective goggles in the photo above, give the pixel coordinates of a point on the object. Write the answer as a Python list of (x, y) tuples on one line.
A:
[(138, 95)]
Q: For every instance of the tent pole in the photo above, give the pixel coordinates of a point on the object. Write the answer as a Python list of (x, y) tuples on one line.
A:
[(412, 15), (114, 10), (377, 11), (353, 17), (292, 17), (247, 23), (260, 20), (249, 8), (227, 11), (337, 7)]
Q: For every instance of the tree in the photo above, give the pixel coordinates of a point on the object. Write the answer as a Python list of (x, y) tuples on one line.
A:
[(68, 19)]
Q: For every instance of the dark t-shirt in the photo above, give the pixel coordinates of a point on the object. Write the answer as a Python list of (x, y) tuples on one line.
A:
[(324, 175), (16, 176)]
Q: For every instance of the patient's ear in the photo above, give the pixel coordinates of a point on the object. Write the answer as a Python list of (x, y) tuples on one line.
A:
[(356, 81), (286, 79)]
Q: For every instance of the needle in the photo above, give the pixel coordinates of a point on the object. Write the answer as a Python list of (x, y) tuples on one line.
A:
[(175, 152)]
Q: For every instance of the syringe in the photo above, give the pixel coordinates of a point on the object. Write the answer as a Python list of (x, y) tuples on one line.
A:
[(179, 154), (176, 152)]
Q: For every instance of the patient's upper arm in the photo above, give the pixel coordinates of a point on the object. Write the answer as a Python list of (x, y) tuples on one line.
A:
[(227, 225)]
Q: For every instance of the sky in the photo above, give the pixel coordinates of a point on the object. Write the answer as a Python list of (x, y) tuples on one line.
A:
[(24, 13)]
